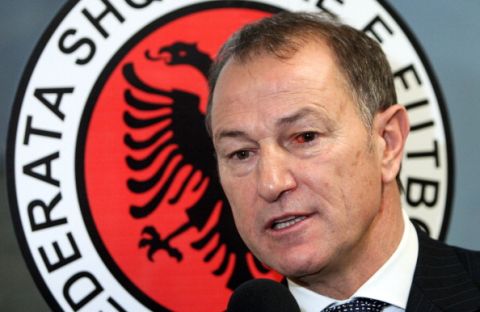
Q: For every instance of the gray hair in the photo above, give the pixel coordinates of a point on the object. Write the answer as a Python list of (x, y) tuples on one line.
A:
[(359, 57)]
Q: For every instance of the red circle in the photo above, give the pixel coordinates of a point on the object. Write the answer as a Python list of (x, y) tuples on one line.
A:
[(186, 285)]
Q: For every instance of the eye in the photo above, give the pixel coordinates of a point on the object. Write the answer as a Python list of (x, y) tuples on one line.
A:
[(240, 155), (305, 137)]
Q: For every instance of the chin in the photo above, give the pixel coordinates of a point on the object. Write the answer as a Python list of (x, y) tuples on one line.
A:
[(298, 265)]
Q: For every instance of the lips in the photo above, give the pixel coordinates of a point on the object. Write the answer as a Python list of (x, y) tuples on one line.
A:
[(285, 222)]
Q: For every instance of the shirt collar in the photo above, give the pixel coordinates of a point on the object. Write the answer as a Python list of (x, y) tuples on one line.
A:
[(391, 283)]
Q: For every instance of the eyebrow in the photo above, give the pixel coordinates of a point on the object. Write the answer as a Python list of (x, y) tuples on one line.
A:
[(302, 113), (231, 134), (280, 123)]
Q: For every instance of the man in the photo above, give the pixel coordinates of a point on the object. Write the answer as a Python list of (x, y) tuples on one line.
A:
[(309, 143)]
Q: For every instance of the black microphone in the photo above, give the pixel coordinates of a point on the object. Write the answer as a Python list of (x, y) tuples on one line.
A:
[(262, 295)]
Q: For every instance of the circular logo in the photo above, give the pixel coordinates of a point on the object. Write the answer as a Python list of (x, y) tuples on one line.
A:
[(112, 181)]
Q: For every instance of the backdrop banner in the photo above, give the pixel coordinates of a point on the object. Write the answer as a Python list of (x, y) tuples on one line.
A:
[(111, 174)]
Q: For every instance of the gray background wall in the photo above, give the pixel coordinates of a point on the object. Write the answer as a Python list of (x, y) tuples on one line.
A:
[(448, 31)]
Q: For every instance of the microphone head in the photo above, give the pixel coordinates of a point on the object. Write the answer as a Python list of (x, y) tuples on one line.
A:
[(262, 295)]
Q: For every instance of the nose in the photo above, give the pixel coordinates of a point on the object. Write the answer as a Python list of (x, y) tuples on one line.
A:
[(275, 177)]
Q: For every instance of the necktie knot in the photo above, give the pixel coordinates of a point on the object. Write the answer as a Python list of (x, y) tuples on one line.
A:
[(359, 305)]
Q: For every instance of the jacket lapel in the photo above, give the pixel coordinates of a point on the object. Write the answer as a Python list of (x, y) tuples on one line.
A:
[(440, 282)]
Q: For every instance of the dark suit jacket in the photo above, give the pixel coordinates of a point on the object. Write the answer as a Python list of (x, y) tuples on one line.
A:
[(446, 278)]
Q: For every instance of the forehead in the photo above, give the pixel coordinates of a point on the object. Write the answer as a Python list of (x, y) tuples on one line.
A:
[(266, 82), (309, 62)]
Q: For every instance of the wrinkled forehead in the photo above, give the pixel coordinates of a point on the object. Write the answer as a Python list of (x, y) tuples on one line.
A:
[(259, 74)]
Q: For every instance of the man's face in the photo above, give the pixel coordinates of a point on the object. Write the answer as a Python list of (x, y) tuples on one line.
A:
[(299, 168)]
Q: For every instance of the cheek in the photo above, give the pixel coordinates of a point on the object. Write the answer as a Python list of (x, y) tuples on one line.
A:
[(319, 174), (356, 166), (342, 179), (245, 224), (237, 193), (233, 188), (227, 182), (239, 219), (363, 181)]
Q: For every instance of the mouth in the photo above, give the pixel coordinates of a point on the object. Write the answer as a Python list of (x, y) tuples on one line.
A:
[(286, 222)]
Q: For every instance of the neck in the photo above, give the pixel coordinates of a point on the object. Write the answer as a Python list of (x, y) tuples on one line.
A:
[(341, 280)]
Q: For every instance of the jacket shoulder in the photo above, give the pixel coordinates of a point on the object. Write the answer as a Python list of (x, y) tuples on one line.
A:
[(446, 278), (470, 260)]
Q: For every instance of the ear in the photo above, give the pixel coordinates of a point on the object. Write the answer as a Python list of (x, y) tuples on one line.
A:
[(392, 128)]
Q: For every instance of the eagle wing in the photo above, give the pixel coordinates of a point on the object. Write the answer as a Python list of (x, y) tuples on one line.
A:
[(181, 135)]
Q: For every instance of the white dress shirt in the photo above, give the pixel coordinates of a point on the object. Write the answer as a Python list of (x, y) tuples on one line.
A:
[(390, 284)]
